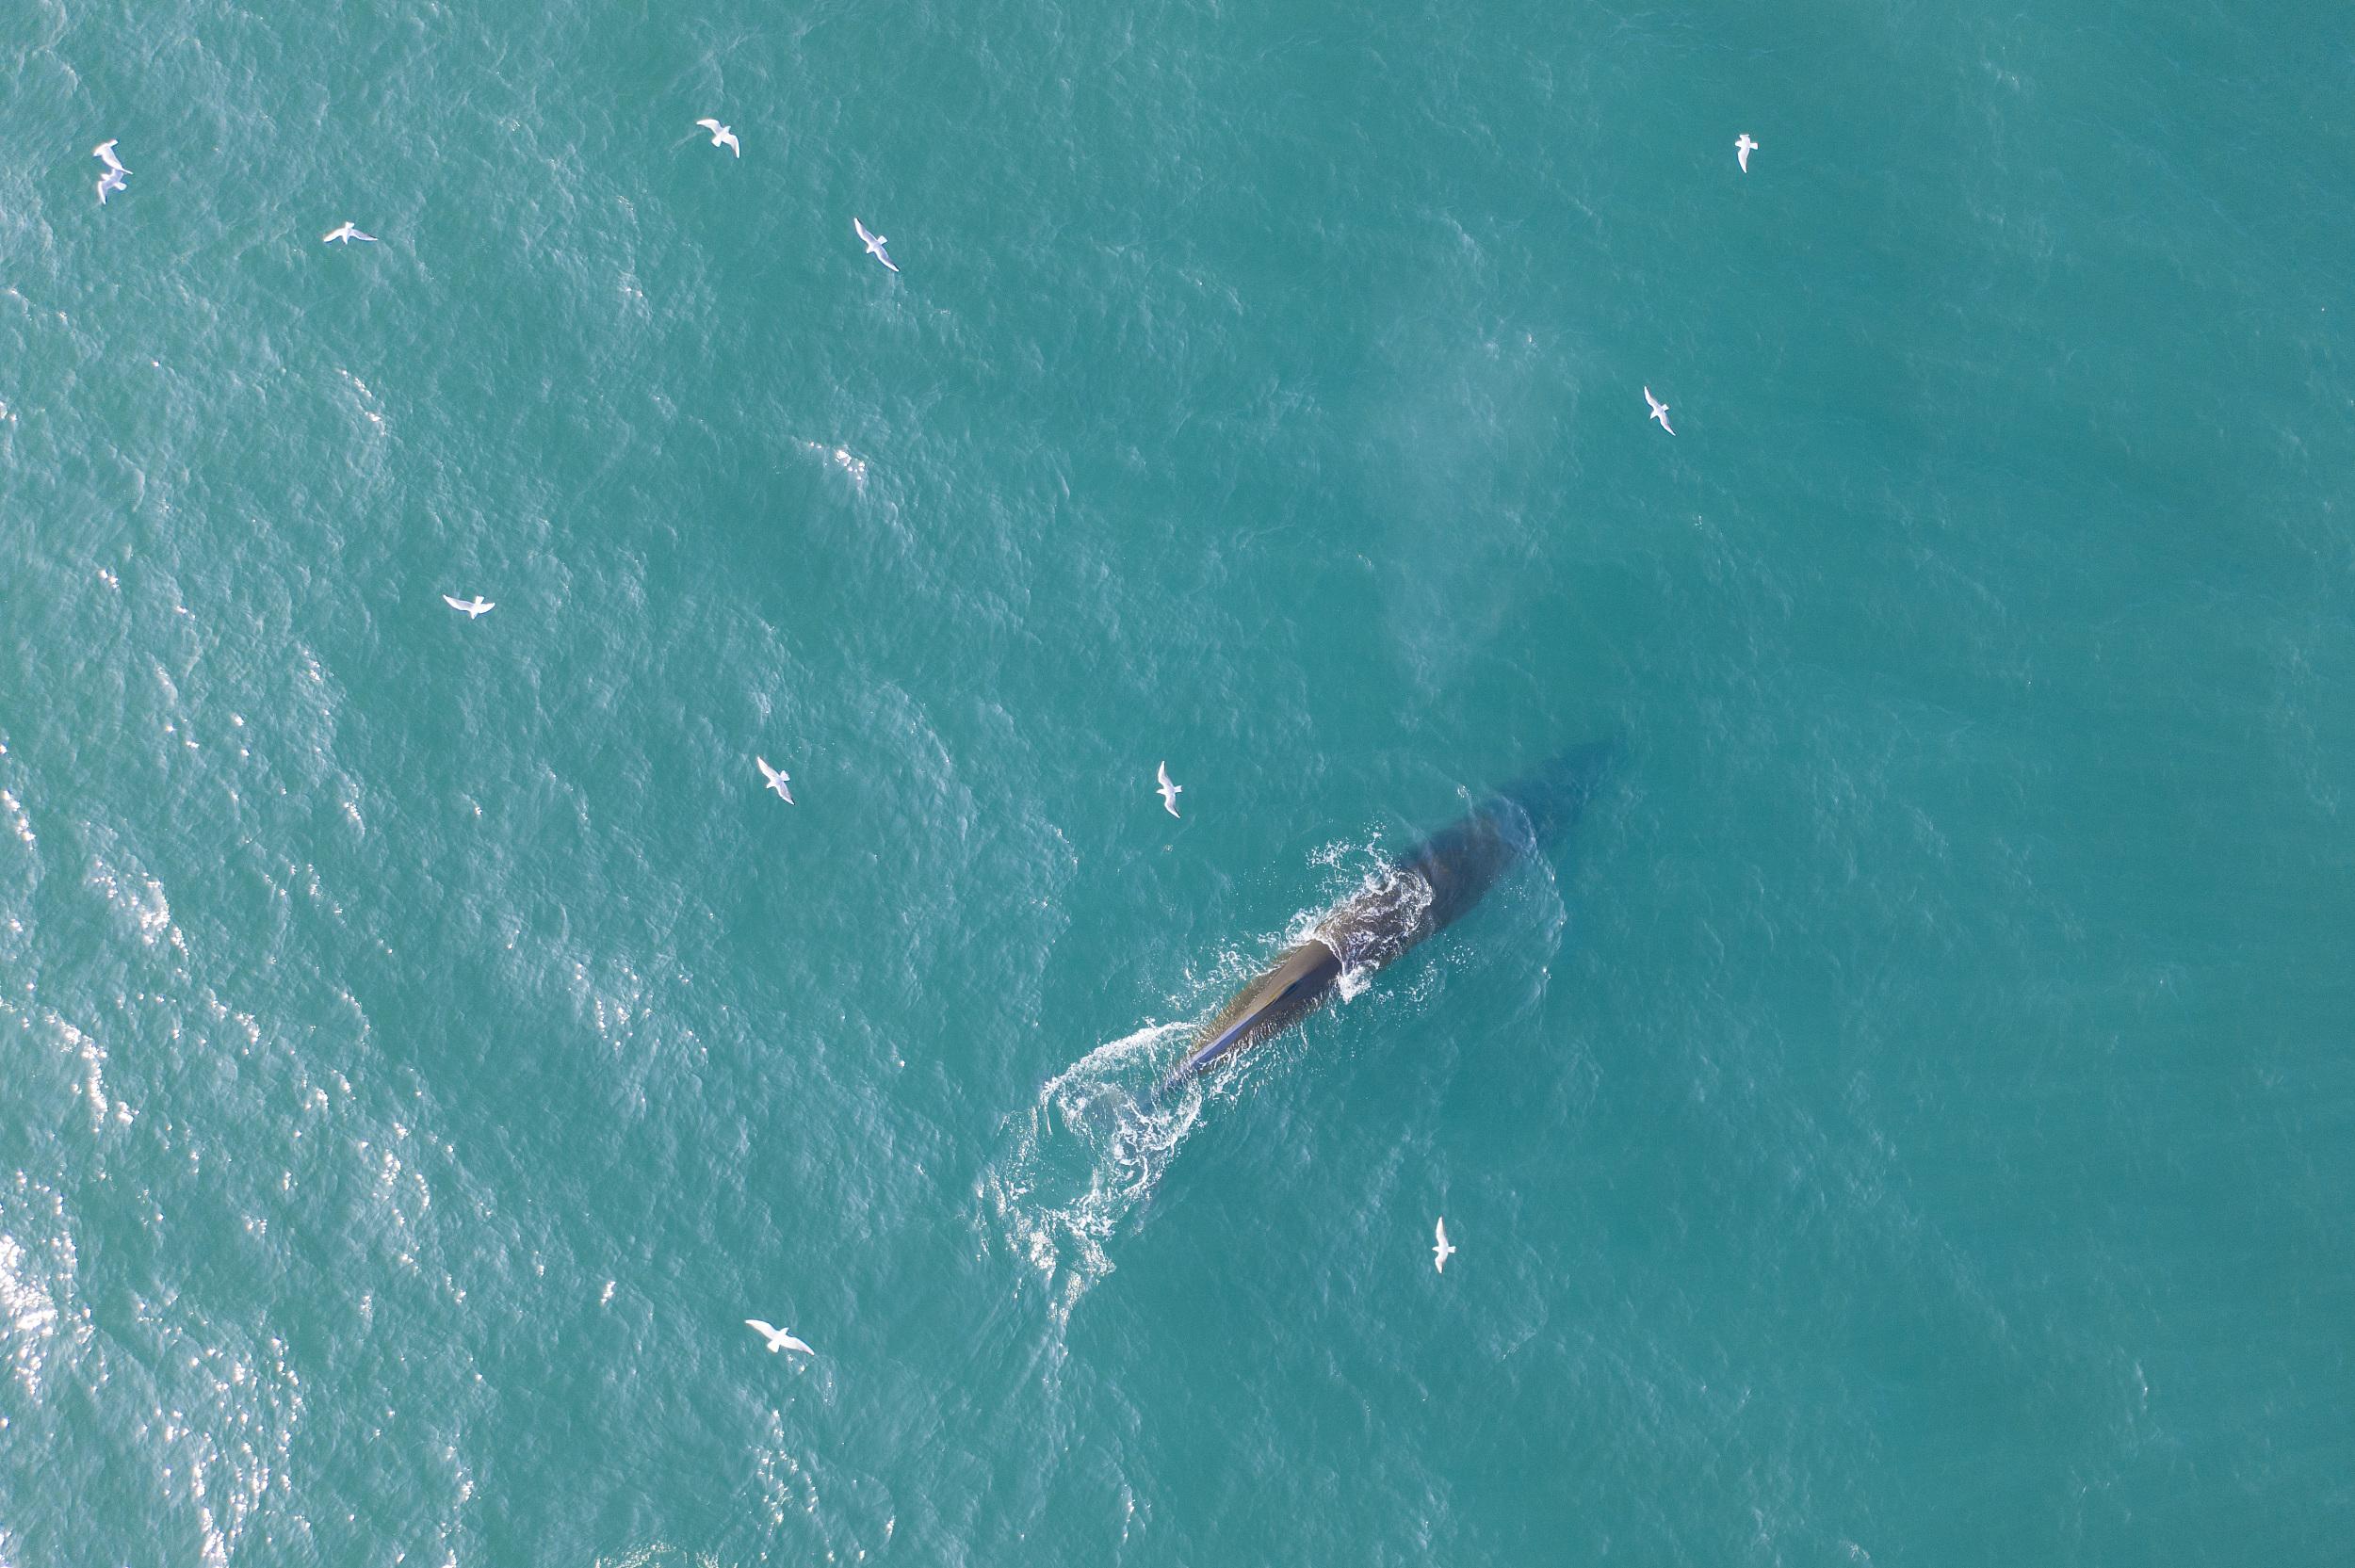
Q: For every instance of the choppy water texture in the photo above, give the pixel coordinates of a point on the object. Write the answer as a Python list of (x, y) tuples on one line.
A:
[(1909, 1123)]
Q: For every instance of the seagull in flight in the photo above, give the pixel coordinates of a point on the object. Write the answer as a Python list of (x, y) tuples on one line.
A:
[(779, 1339), (1659, 412), (723, 136), (475, 611), (104, 153), (874, 244), (1742, 147), (112, 180), (1445, 1250), (777, 778), (346, 234), (1169, 792)]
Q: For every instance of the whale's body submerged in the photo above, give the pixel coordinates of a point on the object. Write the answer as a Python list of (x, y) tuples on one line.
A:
[(1423, 892)]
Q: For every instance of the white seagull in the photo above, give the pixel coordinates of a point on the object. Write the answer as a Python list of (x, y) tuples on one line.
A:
[(104, 153), (346, 234), (779, 1339), (874, 244), (475, 610), (1742, 147), (1169, 792), (723, 136), (1445, 1250), (112, 180), (777, 778), (1659, 412)]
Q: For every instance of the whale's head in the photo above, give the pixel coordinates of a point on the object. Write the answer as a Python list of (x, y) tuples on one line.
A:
[(1463, 861), (1556, 795)]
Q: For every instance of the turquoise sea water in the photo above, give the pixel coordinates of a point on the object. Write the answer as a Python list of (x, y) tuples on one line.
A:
[(1909, 1123)]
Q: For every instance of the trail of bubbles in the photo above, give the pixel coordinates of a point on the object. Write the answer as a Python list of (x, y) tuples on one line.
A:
[(1091, 1148)]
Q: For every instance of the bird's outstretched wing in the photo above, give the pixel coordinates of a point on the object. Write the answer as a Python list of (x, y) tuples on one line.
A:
[(711, 125)]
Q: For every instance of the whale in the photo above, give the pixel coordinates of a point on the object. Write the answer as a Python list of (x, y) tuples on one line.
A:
[(1411, 899)]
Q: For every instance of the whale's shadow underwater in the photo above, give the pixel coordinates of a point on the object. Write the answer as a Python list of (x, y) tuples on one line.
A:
[(1424, 892)]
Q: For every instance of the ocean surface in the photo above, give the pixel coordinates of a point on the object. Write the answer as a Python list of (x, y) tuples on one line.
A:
[(1911, 1120)]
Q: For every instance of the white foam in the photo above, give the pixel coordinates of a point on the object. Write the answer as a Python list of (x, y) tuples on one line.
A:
[(28, 1309), (18, 819), (38, 1264), (93, 1057), (142, 900), (842, 458), (1091, 1148)]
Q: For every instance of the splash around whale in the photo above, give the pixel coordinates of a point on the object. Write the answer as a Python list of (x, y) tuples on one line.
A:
[(1423, 893)]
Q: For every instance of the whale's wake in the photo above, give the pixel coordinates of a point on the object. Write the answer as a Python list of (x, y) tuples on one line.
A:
[(1091, 1148)]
